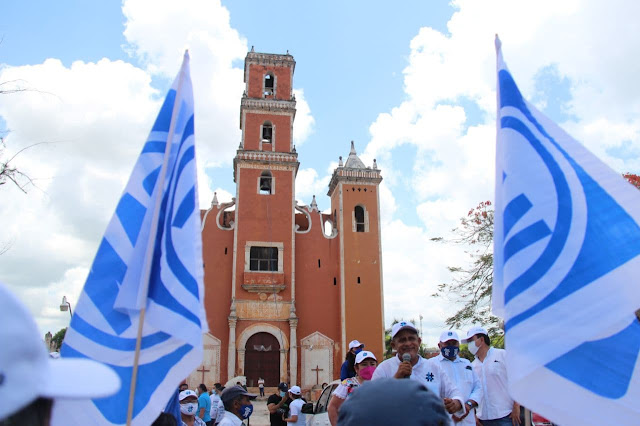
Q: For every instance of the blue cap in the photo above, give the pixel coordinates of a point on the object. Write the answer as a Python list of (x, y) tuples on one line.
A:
[(393, 402)]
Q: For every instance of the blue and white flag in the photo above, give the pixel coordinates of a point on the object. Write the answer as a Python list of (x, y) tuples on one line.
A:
[(566, 268), (154, 232)]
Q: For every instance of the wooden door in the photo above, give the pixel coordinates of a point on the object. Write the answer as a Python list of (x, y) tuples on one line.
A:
[(262, 359)]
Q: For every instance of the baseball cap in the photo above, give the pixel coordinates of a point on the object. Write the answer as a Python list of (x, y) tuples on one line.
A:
[(393, 402), (449, 335), (233, 392), (295, 390), (473, 331), (186, 393), (402, 325), (355, 344), (27, 372), (283, 387), (362, 355)]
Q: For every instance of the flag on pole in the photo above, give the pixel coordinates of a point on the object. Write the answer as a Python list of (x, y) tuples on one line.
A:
[(566, 267), (150, 257)]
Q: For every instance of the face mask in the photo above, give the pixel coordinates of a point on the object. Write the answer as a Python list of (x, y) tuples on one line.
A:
[(246, 410), (450, 352), (189, 408), (366, 372), (282, 394), (473, 348), (358, 351)]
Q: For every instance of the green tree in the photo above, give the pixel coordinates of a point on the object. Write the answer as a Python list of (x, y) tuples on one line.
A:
[(58, 338), (388, 350)]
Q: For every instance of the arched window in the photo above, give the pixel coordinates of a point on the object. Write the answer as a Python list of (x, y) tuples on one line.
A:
[(269, 85), (267, 132), (360, 219), (265, 183)]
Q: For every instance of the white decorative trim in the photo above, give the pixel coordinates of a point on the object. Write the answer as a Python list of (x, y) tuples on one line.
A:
[(302, 209), (380, 262), (273, 135), (315, 341), (343, 325), (247, 255), (221, 208), (334, 230)]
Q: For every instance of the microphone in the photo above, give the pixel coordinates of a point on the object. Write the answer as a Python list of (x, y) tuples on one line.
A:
[(406, 358)]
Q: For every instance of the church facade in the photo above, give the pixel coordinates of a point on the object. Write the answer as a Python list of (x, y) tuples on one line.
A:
[(287, 286)]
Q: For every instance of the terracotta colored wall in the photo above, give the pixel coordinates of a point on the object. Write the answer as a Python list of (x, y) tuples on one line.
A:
[(282, 134), (283, 81), (317, 298), (264, 218), (362, 259), (217, 283)]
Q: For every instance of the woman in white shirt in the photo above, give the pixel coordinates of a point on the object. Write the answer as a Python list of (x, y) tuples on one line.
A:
[(365, 365)]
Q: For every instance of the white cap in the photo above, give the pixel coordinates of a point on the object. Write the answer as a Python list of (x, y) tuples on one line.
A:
[(186, 393), (362, 355), (27, 372), (402, 325), (449, 335), (473, 331), (355, 344), (295, 390)]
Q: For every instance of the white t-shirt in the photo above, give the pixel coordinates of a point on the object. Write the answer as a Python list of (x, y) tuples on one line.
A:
[(260, 383), (426, 371), (217, 408), (295, 409), (492, 373), (461, 374)]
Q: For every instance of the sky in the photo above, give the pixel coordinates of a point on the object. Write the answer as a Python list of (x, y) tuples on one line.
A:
[(411, 83)]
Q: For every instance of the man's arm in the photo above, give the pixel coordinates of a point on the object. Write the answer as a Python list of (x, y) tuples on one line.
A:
[(273, 407), (453, 401), (201, 413), (476, 395), (515, 414)]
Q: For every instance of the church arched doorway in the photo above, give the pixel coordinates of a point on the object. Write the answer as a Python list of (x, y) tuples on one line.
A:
[(262, 359)]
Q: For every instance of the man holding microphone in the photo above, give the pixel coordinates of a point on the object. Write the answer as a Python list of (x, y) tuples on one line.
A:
[(409, 364)]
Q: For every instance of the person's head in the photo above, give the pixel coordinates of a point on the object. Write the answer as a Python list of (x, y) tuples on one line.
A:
[(393, 402), (188, 403), (183, 386), (283, 389), (405, 339), (365, 365), (477, 339), (295, 392), (449, 344), (236, 400), (218, 387), (165, 419), (30, 381), (202, 388), (355, 347)]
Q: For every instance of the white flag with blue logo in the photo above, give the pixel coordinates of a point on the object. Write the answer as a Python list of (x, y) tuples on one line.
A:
[(156, 225), (566, 268)]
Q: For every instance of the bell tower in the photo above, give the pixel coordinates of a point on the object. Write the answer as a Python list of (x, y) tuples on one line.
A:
[(355, 205), (265, 167)]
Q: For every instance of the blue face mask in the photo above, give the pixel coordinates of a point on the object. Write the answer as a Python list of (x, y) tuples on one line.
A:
[(358, 351), (282, 394), (246, 410), (450, 352)]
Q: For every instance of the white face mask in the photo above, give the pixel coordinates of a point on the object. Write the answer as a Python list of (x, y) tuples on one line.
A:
[(189, 408), (472, 347)]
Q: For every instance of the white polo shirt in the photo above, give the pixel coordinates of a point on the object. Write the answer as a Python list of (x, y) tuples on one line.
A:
[(462, 375), (492, 373), (426, 371)]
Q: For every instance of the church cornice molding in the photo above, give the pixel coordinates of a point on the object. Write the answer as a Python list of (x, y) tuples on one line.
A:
[(260, 105), (354, 176)]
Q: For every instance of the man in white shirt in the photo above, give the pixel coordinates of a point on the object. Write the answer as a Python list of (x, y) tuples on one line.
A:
[(497, 407), (237, 405), (409, 364), (296, 416), (461, 374), (217, 407)]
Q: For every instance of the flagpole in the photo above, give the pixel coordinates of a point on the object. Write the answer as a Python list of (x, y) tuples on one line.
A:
[(152, 237)]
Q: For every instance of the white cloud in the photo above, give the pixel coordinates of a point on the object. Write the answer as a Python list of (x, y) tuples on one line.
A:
[(304, 121)]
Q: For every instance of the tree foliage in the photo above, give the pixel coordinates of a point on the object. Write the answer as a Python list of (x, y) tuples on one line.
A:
[(632, 179), (388, 350), (57, 339)]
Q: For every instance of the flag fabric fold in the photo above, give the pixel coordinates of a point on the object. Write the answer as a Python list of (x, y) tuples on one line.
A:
[(154, 233), (566, 262)]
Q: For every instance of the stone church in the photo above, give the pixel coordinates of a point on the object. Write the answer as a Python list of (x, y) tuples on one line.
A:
[(287, 286)]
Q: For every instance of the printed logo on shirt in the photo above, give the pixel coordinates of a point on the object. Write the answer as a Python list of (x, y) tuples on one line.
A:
[(468, 367), (429, 377)]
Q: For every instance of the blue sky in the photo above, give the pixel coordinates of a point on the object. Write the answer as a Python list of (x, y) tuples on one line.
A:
[(411, 83)]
